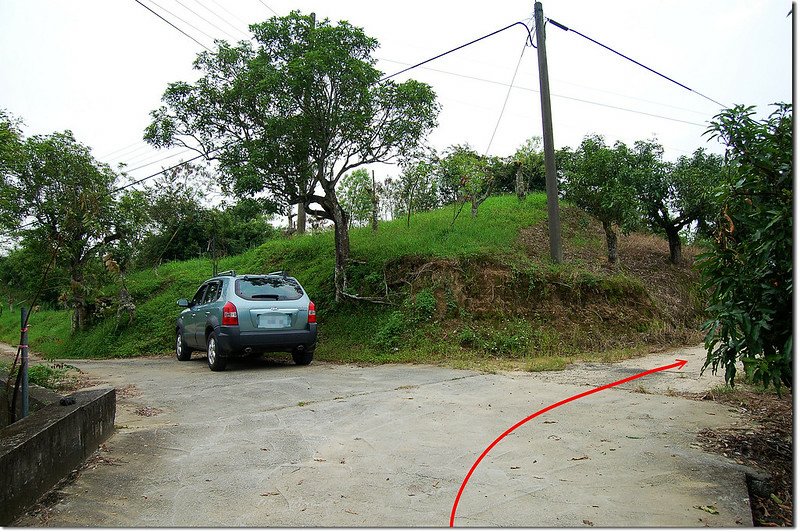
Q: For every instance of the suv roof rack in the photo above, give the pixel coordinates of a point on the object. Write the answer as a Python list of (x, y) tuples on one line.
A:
[(231, 273), (282, 273)]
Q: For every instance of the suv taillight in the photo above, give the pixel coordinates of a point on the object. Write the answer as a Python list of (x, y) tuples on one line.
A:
[(312, 313), (229, 314)]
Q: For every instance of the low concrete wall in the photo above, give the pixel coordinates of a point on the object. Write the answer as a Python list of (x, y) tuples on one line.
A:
[(38, 398), (40, 450)]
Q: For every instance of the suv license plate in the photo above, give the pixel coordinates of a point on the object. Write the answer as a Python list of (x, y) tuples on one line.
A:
[(273, 321)]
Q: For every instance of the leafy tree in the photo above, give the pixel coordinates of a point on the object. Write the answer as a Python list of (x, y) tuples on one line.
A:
[(55, 183), (294, 113), (176, 224), (672, 196), (748, 272), (523, 171), (598, 180), (530, 157), (415, 189), (465, 175), (355, 190)]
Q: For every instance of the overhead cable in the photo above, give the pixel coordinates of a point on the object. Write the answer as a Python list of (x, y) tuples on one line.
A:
[(508, 93), (565, 28), (187, 161), (222, 6), (265, 5), (171, 24), (529, 38), (223, 19), (204, 19), (555, 95)]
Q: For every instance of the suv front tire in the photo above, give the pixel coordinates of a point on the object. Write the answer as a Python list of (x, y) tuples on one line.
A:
[(182, 350)]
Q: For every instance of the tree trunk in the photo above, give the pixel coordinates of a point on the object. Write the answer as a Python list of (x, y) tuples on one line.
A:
[(611, 241), (475, 208), (374, 197), (520, 184), (674, 239), (374, 213), (408, 208), (301, 218), (80, 314), (342, 242)]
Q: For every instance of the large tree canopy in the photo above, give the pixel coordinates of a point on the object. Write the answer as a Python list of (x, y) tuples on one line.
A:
[(673, 196), (598, 180), (54, 183), (290, 115)]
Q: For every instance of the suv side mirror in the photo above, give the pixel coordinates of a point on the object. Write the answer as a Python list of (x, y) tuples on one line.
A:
[(183, 303)]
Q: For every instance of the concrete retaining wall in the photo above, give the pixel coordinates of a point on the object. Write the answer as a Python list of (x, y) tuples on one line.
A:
[(40, 450), (38, 398)]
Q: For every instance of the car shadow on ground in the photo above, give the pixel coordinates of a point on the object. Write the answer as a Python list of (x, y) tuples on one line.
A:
[(249, 363)]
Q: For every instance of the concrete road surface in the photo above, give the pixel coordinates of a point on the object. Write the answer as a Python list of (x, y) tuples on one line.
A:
[(268, 444)]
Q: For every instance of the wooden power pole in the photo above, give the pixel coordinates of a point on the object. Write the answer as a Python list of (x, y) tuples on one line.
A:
[(551, 180)]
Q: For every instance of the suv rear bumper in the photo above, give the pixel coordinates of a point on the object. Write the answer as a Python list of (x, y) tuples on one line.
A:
[(233, 342)]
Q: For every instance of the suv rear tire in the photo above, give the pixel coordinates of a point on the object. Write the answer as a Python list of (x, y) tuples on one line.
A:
[(302, 358), (215, 359), (182, 351)]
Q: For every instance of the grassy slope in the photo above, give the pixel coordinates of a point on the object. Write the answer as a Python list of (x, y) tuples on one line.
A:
[(482, 292)]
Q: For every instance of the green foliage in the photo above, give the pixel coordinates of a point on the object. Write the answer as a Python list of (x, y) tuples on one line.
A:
[(55, 181), (355, 195), (749, 270), (405, 322), (465, 176), (598, 179), (45, 375), (530, 157), (672, 196), (416, 189), (509, 338)]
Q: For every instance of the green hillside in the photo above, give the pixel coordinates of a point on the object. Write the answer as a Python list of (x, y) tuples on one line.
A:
[(482, 293)]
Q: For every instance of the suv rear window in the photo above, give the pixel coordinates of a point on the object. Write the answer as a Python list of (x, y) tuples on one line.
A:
[(268, 289)]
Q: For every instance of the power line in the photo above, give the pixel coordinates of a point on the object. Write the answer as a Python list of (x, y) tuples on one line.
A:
[(151, 163), (460, 47), (484, 80), (508, 93), (187, 161), (201, 17), (222, 6), (181, 19), (466, 76), (171, 24), (265, 5), (702, 113), (221, 18), (565, 28), (141, 151), (121, 149)]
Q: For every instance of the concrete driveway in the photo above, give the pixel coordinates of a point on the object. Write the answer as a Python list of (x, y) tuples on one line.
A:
[(266, 444)]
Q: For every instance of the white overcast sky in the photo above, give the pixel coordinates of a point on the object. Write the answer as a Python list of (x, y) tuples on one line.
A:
[(98, 67)]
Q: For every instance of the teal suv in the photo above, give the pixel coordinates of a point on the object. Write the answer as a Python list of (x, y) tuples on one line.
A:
[(238, 315)]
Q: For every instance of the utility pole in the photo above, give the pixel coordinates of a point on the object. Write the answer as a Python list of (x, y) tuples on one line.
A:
[(23, 345), (551, 180)]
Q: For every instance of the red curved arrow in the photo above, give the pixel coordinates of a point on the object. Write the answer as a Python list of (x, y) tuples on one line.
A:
[(678, 364)]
